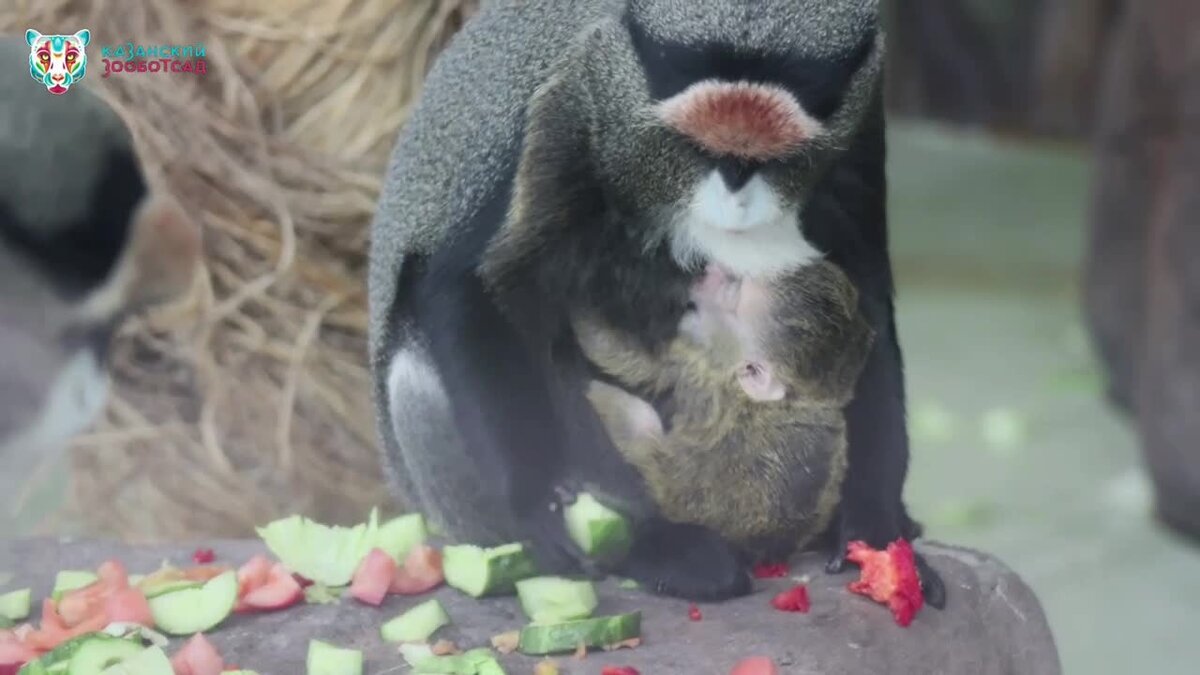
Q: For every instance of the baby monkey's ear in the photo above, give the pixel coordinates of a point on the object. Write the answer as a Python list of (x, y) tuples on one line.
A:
[(759, 382)]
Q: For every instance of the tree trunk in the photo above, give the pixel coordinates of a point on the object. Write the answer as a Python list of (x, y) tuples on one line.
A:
[(1142, 277)]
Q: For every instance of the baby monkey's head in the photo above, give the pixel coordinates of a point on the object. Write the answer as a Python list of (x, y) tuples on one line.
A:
[(801, 335)]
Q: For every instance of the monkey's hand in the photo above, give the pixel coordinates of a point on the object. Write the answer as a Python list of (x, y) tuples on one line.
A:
[(685, 561), (545, 532), (932, 586)]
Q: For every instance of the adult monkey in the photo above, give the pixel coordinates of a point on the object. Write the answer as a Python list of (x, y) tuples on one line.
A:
[(597, 153)]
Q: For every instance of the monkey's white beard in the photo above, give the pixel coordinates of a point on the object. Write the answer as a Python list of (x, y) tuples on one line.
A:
[(749, 232)]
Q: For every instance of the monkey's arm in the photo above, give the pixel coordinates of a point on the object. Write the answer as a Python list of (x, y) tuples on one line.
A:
[(872, 505)]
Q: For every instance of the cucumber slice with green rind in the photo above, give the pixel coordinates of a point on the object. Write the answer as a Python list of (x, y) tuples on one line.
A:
[(417, 624), (322, 553), (467, 663), (541, 639), (15, 605), (327, 659), (555, 599), (164, 587), (479, 571), (598, 530), (96, 655), (61, 655), (70, 580), (196, 610)]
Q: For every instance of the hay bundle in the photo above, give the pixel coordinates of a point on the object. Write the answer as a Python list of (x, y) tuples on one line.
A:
[(251, 400)]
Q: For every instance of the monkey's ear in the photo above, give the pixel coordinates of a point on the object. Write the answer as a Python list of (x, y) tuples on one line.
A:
[(758, 382)]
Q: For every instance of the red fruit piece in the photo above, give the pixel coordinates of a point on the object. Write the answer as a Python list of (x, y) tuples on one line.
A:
[(204, 556), (421, 572), (756, 665), (128, 605), (888, 577), (774, 571), (795, 599), (694, 613), (198, 656), (619, 670), (276, 589), (373, 577)]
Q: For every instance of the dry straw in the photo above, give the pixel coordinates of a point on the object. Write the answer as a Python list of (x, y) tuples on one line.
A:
[(251, 399)]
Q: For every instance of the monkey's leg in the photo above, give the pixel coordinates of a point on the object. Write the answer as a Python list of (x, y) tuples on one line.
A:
[(872, 507)]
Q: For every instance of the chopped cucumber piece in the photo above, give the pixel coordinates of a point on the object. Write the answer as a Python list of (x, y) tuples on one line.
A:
[(98, 653), (326, 659), (320, 594), (539, 639), (14, 605), (490, 667), (196, 610), (414, 653), (59, 657), (70, 580), (324, 554), (417, 624), (597, 529), (34, 667), (467, 663), (152, 661), (555, 599), (629, 584), (480, 571), (400, 534)]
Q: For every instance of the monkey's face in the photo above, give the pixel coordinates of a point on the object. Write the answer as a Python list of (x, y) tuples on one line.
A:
[(724, 136)]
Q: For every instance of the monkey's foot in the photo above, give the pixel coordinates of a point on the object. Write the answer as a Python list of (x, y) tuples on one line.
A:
[(932, 587), (685, 561)]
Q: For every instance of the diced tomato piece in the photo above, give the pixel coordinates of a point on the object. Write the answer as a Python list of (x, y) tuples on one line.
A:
[(756, 665), (889, 577), (203, 556), (795, 599), (16, 652), (129, 605), (373, 577), (694, 613), (198, 656), (277, 591), (421, 572), (619, 670), (113, 574)]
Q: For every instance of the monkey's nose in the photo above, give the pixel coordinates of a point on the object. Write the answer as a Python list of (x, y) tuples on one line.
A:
[(735, 173)]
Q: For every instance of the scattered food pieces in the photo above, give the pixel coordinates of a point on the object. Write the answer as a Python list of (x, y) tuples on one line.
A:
[(16, 605), (555, 599), (631, 643), (480, 572), (795, 599), (443, 648), (373, 577), (546, 668), (771, 571), (540, 639), (599, 531), (320, 594), (421, 572), (327, 659), (266, 586), (619, 670), (755, 665), (196, 610), (204, 556), (506, 643), (417, 624), (889, 577), (694, 613), (198, 657)]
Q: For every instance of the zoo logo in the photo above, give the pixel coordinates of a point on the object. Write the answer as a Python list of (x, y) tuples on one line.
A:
[(57, 61)]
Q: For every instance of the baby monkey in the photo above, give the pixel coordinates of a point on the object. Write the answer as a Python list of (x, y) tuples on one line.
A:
[(754, 388)]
